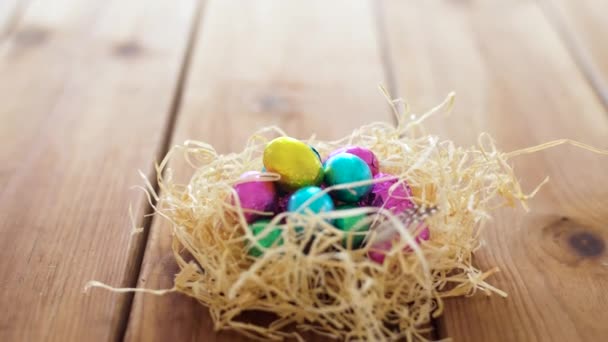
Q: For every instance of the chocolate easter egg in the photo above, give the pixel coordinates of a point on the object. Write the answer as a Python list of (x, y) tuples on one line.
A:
[(364, 153), (255, 195), (296, 163), (266, 237), (302, 201), (396, 199), (309, 200), (282, 202), (345, 168), (354, 227), (317, 153)]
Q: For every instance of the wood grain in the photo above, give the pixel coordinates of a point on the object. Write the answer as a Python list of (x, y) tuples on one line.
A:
[(86, 90), (584, 27), (309, 67), (10, 11), (515, 79)]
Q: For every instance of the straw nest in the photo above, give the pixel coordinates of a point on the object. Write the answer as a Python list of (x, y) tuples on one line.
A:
[(314, 283)]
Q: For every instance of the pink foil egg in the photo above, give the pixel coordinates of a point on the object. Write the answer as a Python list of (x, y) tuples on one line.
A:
[(396, 201), (366, 154), (255, 195), (378, 251)]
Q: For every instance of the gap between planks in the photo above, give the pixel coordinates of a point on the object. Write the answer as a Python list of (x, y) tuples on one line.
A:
[(577, 50), (131, 278), (394, 91), (9, 20), (501, 96), (276, 67), (384, 49), (574, 46)]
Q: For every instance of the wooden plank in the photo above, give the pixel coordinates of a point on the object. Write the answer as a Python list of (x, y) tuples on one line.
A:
[(10, 11), (584, 27), (515, 79), (309, 67), (86, 93)]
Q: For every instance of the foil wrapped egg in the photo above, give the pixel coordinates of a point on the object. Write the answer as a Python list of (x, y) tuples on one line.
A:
[(299, 201), (378, 250), (345, 168), (317, 153), (364, 153), (266, 237), (354, 227), (255, 195), (308, 200), (397, 199), (282, 203), (296, 162)]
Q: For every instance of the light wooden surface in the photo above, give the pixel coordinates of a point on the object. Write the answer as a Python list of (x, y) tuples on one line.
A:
[(10, 11), (583, 26), (91, 91), (85, 88), (515, 79), (264, 71)]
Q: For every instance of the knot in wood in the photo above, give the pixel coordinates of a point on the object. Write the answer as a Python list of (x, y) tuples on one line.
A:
[(587, 244)]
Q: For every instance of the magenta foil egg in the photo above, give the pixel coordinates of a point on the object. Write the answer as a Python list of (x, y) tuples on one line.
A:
[(396, 201), (378, 251), (255, 195), (364, 153)]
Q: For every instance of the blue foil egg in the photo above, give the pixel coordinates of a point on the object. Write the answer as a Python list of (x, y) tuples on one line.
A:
[(297, 201), (345, 168)]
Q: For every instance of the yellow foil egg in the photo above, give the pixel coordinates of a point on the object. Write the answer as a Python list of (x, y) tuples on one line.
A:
[(295, 161)]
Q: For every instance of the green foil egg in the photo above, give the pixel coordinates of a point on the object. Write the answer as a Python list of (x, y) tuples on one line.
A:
[(345, 168), (355, 229), (267, 238), (295, 161)]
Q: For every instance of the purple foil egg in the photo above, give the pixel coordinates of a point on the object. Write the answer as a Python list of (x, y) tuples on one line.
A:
[(378, 251), (255, 195), (282, 202), (366, 154), (396, 201)]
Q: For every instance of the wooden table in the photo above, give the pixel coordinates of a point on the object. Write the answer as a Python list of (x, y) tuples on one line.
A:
[(91, 91)]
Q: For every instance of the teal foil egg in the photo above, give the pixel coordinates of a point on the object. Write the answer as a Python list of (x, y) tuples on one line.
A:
[(322, 203), (298, 202), (345, 168)]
